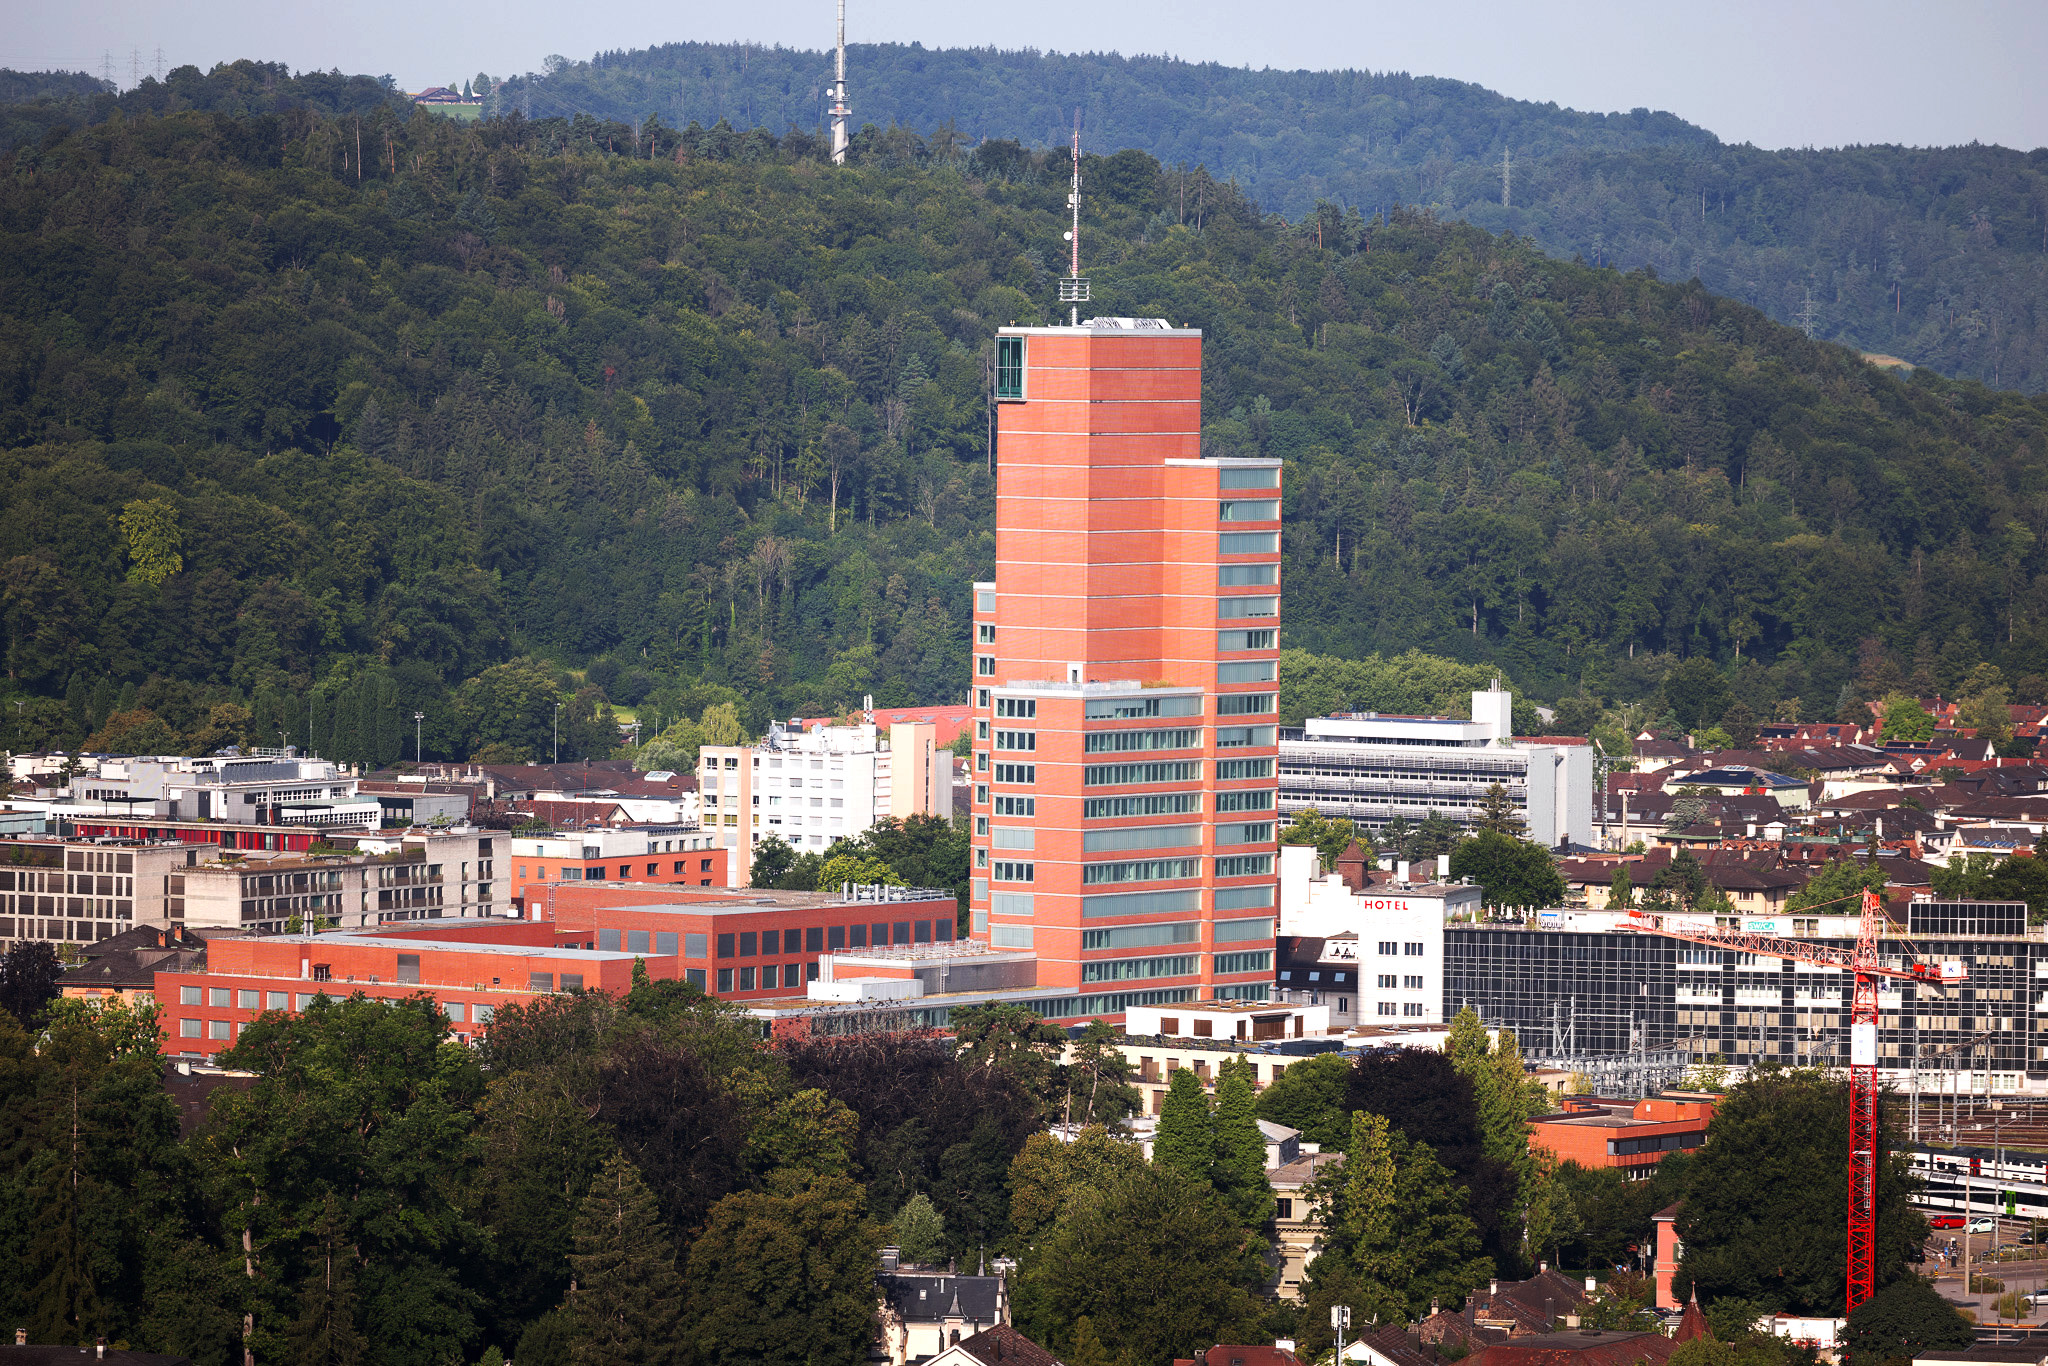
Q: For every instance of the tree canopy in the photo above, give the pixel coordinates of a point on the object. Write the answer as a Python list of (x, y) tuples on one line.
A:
[(527, 412)]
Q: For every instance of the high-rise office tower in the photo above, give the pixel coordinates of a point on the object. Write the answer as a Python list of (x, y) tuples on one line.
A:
[(1125, 677)]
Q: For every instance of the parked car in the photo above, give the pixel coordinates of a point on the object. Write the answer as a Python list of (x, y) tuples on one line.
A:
[(1983, 1226), (1944, 1221)]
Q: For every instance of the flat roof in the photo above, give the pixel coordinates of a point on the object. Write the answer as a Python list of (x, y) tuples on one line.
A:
[(701, 899), (453, 945)]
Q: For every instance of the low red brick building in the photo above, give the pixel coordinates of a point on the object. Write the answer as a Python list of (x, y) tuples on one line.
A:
[(743, 945), (1630, 1135)]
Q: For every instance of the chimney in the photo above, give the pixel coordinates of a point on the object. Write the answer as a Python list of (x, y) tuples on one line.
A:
[(1592, 1286), (1493, 1287), (100, 1349), (889, 1258)]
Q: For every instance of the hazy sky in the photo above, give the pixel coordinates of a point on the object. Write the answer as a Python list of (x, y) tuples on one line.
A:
[(1775, 72)]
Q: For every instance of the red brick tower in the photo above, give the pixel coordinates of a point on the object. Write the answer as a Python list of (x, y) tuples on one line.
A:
[(1124, 681)]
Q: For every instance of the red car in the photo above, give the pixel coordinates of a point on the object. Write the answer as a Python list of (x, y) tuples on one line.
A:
[(1944, 1221)]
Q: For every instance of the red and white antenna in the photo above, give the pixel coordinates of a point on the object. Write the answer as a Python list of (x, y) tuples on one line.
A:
[(1074, 289)]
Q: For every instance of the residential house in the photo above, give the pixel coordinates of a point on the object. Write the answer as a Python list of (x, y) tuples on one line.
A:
[(1225, 1355), (923, 1313), (1001, 1345), (1578, 1347), (124, 968), (1295, 1227)]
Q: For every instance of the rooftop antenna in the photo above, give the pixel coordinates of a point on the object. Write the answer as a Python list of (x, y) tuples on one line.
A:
[(840, 112), (1074, 289)]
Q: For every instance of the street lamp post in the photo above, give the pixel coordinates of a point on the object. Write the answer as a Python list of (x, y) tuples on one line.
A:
[(558, 732), (417, 718)]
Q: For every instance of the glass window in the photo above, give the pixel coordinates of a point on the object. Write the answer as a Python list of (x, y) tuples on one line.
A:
[(836, 938), (1246, 640), (747, 979), (665, 943), (903, 931), (769, 974), (695, 977), (454, 1010), (188, 1029), (302, 1001), (771, 943), (540, 981), (725, 946), (188, 996), (748, 944), (637, 941), (217, 997), (814, 940), (247, 1000), (277, 1000), (725, 979), (217, 1029), (572, 981), (1254, 510), (694, 946), (856, 936), (1010, 368)]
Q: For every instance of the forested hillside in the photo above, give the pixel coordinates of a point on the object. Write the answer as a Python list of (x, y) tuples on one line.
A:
[(1937, 256), (310, 422)]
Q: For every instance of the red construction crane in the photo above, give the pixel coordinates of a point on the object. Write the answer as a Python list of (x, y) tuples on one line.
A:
[(1867, 965)]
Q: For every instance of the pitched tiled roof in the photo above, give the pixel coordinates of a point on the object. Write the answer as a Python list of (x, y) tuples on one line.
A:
[(1223, 1354), (1692, 1324), (1003, 1345), (1578, 1347)]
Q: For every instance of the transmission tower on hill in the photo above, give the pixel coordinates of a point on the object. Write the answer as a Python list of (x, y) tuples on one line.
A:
[(842, 114)]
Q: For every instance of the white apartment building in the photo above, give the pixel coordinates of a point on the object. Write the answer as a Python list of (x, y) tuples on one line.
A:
[(812, 786), (1370, 768), (1373, 957)]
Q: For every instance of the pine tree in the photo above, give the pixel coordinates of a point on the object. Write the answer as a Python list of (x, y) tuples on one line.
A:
[(628, 1299), (1185, 1141), (1497, 811), (1239, 1168), (1621, 893), (325, 1332)]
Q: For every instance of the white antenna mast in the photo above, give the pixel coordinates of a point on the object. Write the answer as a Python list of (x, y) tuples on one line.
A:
[(1074, 289), (840, 112)]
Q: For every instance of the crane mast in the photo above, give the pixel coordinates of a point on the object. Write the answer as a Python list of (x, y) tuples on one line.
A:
[(1866, 965)]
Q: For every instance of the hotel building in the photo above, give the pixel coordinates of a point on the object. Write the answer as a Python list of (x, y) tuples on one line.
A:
[(1125, 677)]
